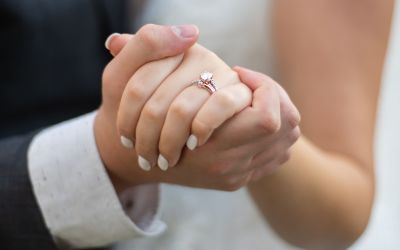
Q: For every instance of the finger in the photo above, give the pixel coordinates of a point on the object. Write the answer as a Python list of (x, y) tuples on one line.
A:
[(235, 182), (181, 113), (151, 42), (153, 115), (270, 167), (266, 161), (176, 128), (137, 92), (261, 119), (116, 42), (259, 83), (221, 106), (288, 110)]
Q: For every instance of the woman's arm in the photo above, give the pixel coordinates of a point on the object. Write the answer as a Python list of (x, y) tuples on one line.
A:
[(330, 56)]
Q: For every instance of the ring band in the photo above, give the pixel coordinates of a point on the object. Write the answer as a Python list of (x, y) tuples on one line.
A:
[(206, 82)]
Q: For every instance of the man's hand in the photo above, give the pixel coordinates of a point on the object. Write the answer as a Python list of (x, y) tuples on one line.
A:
[(150, 43), (253, 142)]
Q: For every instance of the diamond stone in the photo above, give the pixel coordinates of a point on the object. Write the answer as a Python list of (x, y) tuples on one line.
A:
[(206, 76)]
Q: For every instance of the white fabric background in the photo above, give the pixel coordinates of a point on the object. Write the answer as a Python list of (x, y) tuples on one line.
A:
[(200, 219)]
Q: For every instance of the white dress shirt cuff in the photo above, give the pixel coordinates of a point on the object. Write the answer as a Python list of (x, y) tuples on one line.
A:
[(76, 197)]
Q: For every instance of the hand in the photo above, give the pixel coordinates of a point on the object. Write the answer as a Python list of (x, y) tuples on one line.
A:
[(150, 43), (276, 148), (252, 144), (226, 161), (160, 107)]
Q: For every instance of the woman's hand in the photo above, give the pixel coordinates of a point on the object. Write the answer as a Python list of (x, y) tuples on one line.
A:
[(255, 142), (161, 108)]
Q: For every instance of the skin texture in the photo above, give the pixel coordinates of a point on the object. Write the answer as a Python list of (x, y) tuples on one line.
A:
[(224, 162), (330, 56), (157, 110)]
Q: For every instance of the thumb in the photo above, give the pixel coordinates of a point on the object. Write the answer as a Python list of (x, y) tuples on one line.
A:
[(116, 41), (258, 82), (150, 43), (263, 87), (258, 121)]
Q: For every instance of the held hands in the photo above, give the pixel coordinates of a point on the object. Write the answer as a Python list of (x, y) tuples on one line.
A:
[(148, 85), (160, 107)]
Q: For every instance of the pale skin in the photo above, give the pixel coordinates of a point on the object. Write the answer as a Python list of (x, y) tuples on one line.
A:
[(270, 124), (160, 111), (330, 56), (322, 197)]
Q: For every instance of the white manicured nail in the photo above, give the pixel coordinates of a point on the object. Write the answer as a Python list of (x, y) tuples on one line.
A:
[(126, 142), (192, 142), (144, 164), (109, 38), (162, 163)]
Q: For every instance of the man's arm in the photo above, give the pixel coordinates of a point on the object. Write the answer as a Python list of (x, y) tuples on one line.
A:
[(22, 225), (55, 193), (330, 58), (74, 193)]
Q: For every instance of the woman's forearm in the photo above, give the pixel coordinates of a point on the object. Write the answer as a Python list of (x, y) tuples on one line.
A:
[(330, 57), (318, 199)]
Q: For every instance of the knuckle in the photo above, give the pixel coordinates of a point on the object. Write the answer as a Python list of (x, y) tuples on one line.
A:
[(231, 188), (204, 55), (225, 98), (148, 27), (294, 118), (108, 74), (233, 76), (233, 184), (217, 170), (152, 112), (147, 35), (135, 92), (111, 87), (294, 135), (200, 128), (211, 55), (181, 109), (270, 122)]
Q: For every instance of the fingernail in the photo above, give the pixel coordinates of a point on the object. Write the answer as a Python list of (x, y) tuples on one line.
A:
[(185, 31), (127, 143), (192, 142), (162, 163), (109, 39), (144, 164)]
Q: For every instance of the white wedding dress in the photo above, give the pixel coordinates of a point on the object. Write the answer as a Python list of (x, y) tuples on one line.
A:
[(205, 220)]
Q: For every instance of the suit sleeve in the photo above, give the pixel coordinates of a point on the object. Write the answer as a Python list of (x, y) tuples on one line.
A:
[(21, 223), (77, 198), (54, 188)]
